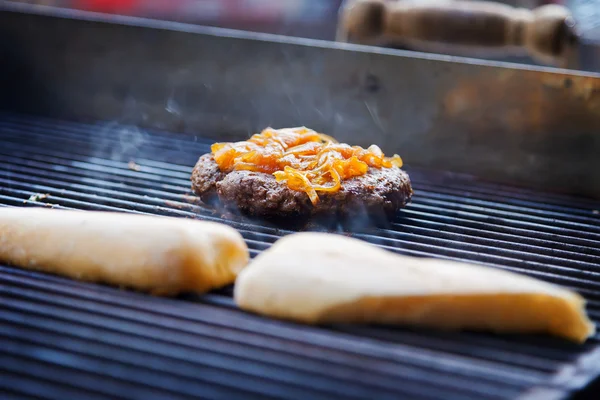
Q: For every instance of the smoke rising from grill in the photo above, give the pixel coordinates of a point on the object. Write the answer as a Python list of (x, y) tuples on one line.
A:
[(119, 142)]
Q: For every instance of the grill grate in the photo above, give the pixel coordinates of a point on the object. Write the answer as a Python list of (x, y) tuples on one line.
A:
[(66, 339)]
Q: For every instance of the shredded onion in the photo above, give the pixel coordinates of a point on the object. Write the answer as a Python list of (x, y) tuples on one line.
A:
[(303, 159)]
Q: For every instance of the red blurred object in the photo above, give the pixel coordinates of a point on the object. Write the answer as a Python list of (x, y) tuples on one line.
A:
[(304, 18), (108, 6)]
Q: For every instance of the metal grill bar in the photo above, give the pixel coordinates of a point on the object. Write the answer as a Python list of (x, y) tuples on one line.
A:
[(119, 343), (213, 352)]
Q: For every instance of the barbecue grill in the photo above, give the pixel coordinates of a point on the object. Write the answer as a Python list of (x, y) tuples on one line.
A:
[(111, 113)]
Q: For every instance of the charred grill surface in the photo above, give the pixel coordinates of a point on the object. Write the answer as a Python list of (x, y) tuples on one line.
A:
[(63, 339)]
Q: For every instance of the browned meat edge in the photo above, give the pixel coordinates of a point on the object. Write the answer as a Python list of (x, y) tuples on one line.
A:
[(258, 194)]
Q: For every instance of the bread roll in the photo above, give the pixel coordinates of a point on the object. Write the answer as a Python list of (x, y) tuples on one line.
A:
[(326, 278), (161, 255)]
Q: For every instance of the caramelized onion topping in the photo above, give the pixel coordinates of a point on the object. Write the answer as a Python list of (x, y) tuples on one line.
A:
[(305, 160)]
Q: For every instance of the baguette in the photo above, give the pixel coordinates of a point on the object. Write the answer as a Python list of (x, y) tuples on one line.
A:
[(160, 255), (326, 278)]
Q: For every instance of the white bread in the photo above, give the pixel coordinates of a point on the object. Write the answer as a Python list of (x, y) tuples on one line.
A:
[(323, 278), (162, 255)]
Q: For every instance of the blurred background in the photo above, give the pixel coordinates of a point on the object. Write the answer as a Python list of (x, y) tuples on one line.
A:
[(302, 18)]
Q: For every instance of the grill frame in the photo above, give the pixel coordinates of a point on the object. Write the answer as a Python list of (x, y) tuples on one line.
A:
[(428, 364)]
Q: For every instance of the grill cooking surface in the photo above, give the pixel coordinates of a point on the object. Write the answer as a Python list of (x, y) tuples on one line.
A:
[(64, 339)]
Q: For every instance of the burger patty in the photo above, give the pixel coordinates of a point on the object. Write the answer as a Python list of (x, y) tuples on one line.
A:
[(384, 190)]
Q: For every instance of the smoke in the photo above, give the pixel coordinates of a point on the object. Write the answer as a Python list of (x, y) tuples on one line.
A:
[(118, 142), (354, 217), (587, 15), (131, 140)]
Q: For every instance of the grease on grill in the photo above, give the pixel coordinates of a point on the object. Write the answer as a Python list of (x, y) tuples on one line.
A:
[(38, 197), (132, 165)]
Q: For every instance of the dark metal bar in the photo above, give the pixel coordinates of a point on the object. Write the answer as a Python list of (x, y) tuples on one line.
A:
[(493, 349), (240, 363), (39, 387), (132, 319)]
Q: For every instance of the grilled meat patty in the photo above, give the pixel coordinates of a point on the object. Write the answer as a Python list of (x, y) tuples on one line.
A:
[(379, 191)]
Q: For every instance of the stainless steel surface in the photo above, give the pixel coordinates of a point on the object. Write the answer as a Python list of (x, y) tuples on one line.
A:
[(589, 55), (536, 127)]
